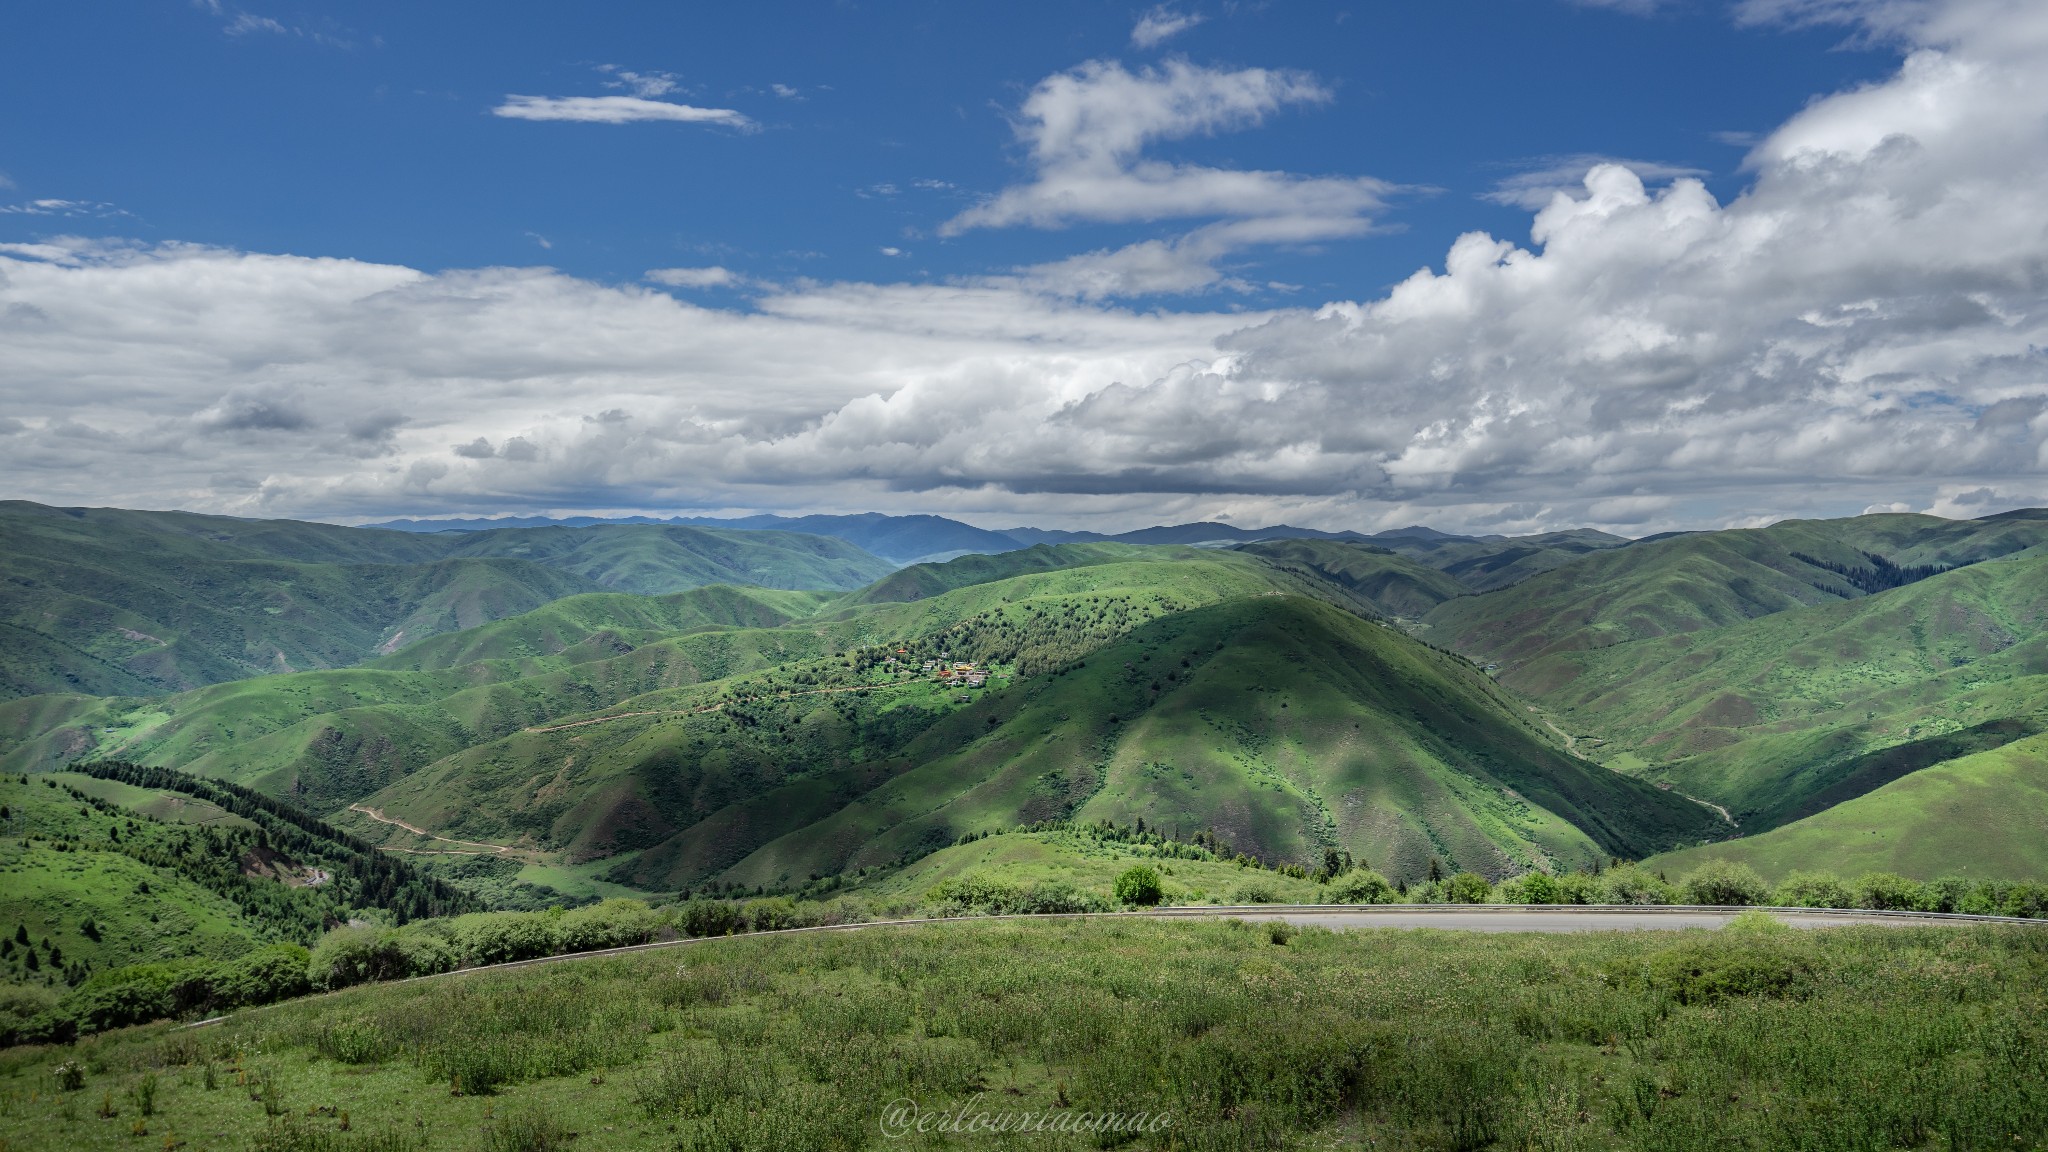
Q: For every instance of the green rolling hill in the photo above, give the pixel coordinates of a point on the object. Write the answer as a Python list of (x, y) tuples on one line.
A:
[(1392, 584), (1982, 816), (108, 602), (1702, 580), (1483, 564)]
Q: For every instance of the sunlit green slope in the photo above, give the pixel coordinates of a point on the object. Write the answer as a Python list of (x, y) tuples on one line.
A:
[(1281, 723), (1705, 580), (1392, 584), (1779, 717), (1980, 816)]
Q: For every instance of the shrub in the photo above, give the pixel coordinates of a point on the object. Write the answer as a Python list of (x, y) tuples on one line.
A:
[(355, 954), (2029, 900), (21, 1003), (1531, 888), (1947, 894), (1726, 884), (1628, 884), (1706, 972), (1048, 897), (268, 974), (137, 995), (1812, 890), (774, 914), (712, 918), (1886, 892), (1468, 888), (614, 923), (1138, 886), (1255, 892), (423, 951), (1362, 886), (1579, 888), (500, 937)]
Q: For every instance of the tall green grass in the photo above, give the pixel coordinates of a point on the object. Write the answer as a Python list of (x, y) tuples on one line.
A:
[(1753, 1037)]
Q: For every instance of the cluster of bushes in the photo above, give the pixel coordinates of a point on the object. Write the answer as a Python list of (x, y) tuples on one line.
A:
[(362, 953), (978, 895), (1716, 883), (145, 992)]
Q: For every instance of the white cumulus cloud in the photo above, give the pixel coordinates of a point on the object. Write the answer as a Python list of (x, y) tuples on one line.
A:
[(1160, 24), (614, 110)]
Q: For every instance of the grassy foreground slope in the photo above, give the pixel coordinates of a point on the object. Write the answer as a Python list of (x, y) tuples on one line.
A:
[(113, 602), (1240, 1035), (1984, 815)]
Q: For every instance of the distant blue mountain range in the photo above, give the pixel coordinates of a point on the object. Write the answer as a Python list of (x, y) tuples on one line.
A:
[(910, 539)]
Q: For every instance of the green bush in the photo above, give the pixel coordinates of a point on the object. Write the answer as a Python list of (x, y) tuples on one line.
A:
[(500, 937), (138, 994), (1138, 887), (1886, 892), (268, 974), (1629, 884), (1255, 892), (712, 918), (1725, 884), (1531, 888), (1468, 888), (614, 923), (2029, 900), (1050, 897), (356, 954), (1947, 894), (1707, 972), (1812, 890), (1579, 888), (423, 951), (1361, 886)]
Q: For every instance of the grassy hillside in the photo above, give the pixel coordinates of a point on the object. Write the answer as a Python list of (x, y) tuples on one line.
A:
[(1704, 580), (1278, 722), (1244, 1036), (126, 866), (1779, 717), (112, 602), (919, 581), (1979, 816), (1484, 564), (1393, 585), (651, 559)]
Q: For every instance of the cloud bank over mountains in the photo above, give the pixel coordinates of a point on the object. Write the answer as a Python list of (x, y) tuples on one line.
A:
[(1868, 321)]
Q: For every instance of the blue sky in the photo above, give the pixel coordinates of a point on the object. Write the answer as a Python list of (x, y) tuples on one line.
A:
[(1508, 265), (364, 130)]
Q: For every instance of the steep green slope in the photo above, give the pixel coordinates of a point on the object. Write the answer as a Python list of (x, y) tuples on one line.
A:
[(127, 866), (1031, 623), (1781, 716), (1704, 580), (1391, 584), (1281, 723), (1980, 816), (112, 602)]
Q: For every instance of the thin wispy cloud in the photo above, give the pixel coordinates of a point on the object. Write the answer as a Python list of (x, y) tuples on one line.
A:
[(711, 277), (614, 110), (1160, 25)]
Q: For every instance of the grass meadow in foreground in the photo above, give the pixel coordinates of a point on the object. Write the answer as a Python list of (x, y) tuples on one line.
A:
[(1244, 1035)]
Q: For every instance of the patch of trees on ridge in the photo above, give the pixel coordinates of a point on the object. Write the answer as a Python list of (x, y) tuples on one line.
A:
[(360, 876), (1882, 573)]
